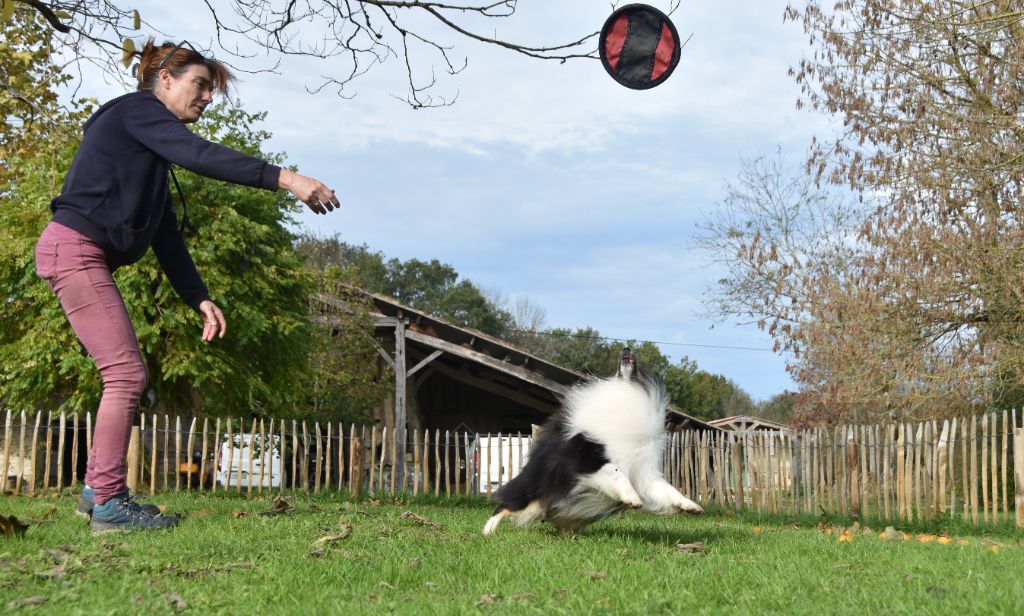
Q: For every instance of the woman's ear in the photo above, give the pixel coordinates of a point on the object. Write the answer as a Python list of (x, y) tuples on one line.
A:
[(164, 77)]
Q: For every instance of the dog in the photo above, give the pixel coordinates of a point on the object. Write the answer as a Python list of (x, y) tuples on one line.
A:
[(599, 454)]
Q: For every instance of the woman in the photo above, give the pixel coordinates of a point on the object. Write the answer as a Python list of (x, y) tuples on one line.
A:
[(115, 203)]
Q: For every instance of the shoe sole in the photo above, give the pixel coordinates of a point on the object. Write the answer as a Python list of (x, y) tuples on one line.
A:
[(125, 531)]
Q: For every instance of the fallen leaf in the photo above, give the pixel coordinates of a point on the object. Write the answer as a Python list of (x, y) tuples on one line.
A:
[(278, 507), (926, 538), (757, 530), (891, 534), (316, 554), (175, 602), (964, 542), (13, 605), (415, 517), (244, 565), (866, 531), (487, 600), (346, 530), (691, 548), (57, 572), (944, 540), (57, 555), (845, 538), (239, 514), (993, 548), (12, 526), (385, 585), (560, 593), (594, 575), (45, 516), (414, 562)]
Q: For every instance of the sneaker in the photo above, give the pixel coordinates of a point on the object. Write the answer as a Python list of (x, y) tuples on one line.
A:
[(122, 514), (86, 504)]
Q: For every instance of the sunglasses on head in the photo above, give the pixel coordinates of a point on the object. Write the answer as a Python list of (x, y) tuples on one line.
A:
[(135, 67), (176, 48)]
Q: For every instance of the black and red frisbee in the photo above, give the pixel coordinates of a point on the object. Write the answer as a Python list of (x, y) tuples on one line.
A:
[(639, 46)]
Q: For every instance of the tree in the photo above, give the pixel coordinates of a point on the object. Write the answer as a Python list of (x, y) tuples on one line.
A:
[(346, 379), (929, 95), (241, 245), (356, 36), (430, 286)]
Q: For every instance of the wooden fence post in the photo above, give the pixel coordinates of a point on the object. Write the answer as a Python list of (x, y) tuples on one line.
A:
[(7, 452), (35, 437), (21, 454), (1018, 473), (60, 451), (133, 459)]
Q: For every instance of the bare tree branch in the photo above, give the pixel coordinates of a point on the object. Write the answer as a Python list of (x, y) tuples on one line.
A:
[(326, 30)]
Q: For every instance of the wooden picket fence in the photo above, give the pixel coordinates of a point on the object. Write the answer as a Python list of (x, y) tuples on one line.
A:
[(970, 468)]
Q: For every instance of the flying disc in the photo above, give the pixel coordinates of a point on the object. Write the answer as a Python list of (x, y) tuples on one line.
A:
[(639, 46)]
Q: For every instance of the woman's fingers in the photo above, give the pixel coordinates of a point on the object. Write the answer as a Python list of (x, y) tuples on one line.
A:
[(321, 199), (214, 323)]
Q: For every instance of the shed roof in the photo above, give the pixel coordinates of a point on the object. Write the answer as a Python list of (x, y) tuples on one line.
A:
[(737, 423)]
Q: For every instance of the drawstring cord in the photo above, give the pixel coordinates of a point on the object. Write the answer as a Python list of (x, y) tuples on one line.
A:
[(184, 204)]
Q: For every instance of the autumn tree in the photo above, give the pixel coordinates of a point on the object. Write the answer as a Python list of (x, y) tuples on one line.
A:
[(915, 307)]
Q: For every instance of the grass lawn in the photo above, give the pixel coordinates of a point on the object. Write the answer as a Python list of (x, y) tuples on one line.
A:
[(225, 557)]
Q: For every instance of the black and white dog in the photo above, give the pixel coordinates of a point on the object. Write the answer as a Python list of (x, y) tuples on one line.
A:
[(601, 453)]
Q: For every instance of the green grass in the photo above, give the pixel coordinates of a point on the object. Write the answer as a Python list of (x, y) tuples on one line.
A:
[(215, 562)]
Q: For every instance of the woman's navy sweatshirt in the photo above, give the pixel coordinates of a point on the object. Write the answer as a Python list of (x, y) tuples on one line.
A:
[(116, 192)]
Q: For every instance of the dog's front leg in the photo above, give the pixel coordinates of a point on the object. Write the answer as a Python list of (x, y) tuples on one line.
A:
[(613, 483)]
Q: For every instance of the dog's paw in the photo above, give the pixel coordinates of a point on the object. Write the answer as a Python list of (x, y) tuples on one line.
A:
[(632, 503), (493, 522), (688, 506)]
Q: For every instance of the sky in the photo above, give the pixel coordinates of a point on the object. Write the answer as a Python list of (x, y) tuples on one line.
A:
[(549, 181)]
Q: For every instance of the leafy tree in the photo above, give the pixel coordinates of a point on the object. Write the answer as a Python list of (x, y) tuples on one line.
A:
[(346, 379), (241, 246), (779, 408), (430, 286)]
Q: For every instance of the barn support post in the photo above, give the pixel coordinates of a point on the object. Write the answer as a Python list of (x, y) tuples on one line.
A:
[(401, 379)]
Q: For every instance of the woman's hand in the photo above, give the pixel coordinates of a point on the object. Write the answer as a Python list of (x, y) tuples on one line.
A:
[(310, 191), (213, 320)]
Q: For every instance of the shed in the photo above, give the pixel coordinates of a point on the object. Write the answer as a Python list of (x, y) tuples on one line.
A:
[(450, 377)]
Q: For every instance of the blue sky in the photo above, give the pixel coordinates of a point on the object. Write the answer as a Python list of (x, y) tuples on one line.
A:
[(550, 181)]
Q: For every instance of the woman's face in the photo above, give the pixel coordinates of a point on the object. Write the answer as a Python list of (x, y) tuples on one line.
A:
[(188, 95)]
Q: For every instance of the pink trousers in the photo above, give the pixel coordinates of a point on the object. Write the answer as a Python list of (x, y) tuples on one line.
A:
[(77, 271)]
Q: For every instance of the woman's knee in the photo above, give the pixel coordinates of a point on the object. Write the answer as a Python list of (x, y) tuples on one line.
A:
[(129, 376)]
